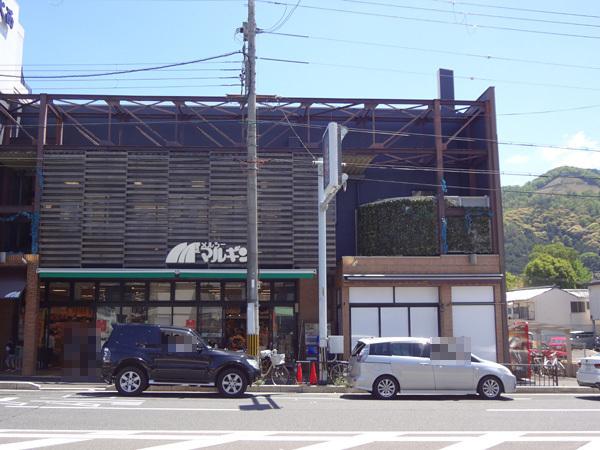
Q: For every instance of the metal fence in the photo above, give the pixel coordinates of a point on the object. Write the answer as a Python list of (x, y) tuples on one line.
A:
[(537, 374)]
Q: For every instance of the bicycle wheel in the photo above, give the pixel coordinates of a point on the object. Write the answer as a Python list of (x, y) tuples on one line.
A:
[(280, 375), (338, 374)]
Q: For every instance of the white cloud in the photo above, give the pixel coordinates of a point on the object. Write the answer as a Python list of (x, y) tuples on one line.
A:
[(571, 157)]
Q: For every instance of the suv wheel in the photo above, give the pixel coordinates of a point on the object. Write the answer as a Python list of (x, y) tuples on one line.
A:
[(489, 388), (131, 381), (385, 387), (232, 382)]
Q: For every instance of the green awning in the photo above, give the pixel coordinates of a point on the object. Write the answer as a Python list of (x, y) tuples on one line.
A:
[(173, 274)]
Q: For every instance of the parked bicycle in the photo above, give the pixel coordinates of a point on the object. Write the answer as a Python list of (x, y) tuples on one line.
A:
[(337, 371), (552, 366), (272, 367)]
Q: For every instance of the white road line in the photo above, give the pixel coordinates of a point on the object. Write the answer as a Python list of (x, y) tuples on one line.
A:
[(488, 440), (209, 441), (8, 399), (339, 443), (543, 410), (38, 443), (113, 408)]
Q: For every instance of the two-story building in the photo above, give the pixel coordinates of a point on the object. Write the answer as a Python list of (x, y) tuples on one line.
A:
[(135, 211)]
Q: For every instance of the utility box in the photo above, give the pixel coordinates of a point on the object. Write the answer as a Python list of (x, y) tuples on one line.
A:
[(336, 344)]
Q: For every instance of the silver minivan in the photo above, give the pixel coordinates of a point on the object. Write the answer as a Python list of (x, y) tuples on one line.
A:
[(414, 366)]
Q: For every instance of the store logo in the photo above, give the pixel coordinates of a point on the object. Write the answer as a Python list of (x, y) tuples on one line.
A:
[(6, 14), (210, 252)]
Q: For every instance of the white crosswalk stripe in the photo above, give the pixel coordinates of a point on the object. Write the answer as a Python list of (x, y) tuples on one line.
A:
[(304, 440)]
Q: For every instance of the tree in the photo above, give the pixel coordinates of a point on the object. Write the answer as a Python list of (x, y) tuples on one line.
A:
[(514, 281), (545, 269), (591, 260), (559, 251)]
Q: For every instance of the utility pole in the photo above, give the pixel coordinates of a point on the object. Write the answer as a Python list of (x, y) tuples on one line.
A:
[(328, 186), (252, 323)]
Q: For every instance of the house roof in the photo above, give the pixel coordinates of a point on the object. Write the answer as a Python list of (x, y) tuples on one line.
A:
[(579, 293), (525, 294)]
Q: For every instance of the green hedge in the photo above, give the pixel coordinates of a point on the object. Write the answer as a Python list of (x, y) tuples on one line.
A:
[(398, 228), (405, 227), (471, 233)]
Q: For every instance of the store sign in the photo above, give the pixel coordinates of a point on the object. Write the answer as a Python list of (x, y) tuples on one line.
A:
[(6, 15), (207, 253)]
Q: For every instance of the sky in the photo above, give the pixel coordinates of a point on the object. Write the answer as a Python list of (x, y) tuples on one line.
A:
[(544, 64)]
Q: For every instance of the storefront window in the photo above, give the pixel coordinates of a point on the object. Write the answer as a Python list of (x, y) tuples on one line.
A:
[(133, 314), (235, 327), (284, 291), (284, 328), (59, 292), (135, 292), (159, 315), (110, 292), (210, 290), (264, 320), (84, 292), (184, 316), (67, 327), (264, 291), (210, 324), (160, 292), (234, 291), (106, 316), (185, 291)]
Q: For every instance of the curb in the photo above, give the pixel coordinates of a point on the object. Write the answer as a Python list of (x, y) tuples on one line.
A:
[(555, 390), (20, 385)]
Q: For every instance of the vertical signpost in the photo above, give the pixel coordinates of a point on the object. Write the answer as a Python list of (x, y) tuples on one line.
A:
[(330, 179)]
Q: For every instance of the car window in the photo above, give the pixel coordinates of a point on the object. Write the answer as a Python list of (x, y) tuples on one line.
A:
[(380, 349), (136, 335), (413, 349), (176, 341), (358, 348)]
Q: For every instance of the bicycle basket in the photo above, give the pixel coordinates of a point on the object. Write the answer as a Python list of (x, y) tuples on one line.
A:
[(277, 359)]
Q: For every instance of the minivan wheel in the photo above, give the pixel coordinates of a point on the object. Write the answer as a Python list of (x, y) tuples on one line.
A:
[(489, 388), (385, 387), (131, 381), (232, 383)]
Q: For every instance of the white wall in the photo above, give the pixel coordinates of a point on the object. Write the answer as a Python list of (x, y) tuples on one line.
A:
[(554, 308), (11, 52), (477, 322)]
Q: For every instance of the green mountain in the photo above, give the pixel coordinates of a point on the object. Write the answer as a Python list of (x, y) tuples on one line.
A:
[(539, 213)]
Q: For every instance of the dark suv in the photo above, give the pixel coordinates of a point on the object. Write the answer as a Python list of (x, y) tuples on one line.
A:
[(138, 355)]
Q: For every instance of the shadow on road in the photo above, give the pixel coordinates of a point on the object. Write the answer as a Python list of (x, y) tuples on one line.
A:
[(594, 398), (453, 398), (255, 398), (150, 394)]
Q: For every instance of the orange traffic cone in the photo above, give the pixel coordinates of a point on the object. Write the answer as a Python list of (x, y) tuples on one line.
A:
[(313, 373), (299, 377)]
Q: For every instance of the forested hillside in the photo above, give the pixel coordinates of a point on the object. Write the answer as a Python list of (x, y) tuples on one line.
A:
[(541, 219)]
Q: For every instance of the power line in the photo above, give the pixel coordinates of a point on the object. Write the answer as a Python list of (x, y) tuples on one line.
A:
[(150, 79), (466, 13), (356, 130), (120, 72), (87, 88), (553, 194), (470, 171), (462, 77), (543, 11), (417, 19), (438, 51)]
